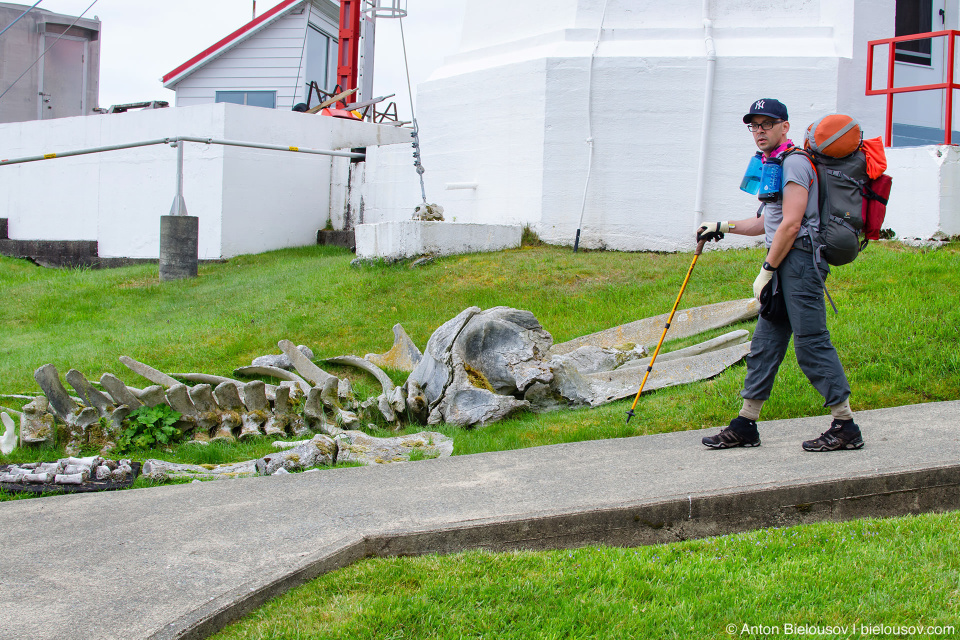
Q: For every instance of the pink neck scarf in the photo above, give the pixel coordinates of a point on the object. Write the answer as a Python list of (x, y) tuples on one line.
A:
[(773, 154)]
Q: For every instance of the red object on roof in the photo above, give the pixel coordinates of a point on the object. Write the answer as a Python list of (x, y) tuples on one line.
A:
[(250, 26), (339, 113)]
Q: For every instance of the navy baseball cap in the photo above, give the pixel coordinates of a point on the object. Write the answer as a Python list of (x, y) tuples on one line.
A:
[(766, 107)]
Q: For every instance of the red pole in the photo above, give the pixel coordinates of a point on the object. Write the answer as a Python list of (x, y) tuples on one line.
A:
[(949, 124), (349, 49), (888, 126)]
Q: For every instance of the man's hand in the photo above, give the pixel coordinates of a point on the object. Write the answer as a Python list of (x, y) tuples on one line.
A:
[(765, 276), (713, 231)]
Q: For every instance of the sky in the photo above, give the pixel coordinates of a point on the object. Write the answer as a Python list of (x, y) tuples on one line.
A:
[(141, 41)]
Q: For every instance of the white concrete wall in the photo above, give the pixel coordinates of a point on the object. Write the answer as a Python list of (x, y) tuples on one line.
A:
[(495, 140), (274, 59), (412, 238), (509, 111), (925, 197), (115, 198), (248, 200)]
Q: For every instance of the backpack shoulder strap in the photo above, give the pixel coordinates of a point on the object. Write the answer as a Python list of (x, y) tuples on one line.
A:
[(821, 187), (809, 157), (821, 198)]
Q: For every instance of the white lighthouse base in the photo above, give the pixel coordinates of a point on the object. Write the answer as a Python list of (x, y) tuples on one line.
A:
[(411, 238)]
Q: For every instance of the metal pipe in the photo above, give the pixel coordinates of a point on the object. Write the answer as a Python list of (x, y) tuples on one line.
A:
[(83, 152), (707, 109), (179, 207), (589, 140), (20, 16), (273, 147), (147, 143)]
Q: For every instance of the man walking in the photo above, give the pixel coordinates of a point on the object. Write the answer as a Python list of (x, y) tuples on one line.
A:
[(784, 220)]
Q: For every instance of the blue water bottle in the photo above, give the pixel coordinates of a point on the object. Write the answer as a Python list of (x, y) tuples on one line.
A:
[(770, 181), (751, 179)]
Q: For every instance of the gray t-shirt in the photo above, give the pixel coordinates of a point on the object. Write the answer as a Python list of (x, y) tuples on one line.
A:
[(796, 168)]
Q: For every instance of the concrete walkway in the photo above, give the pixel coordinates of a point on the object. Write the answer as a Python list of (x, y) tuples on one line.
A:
[(181, 561)]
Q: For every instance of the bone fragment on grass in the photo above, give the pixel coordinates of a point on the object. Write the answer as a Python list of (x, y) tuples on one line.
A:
[(255, 401), (8, 442), (120, 393), (402, 356), (153, 395), (725, 341), (228, 399), (685, 323), (369, 367), (280, 417), (276, 372), (148, 372), (310, 372), (90, 396), (315, 419), (36, 422)]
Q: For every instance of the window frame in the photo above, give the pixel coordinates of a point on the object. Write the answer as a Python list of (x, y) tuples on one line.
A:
[(912, 17), (246, 97)]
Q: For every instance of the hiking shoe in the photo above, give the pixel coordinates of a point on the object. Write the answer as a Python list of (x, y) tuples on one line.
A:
[(842, 434), (741, 433)]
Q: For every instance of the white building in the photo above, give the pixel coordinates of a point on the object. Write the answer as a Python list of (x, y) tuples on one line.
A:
[(268, 62), (658, 89), (247, 200), (64, 82), (505, 122)]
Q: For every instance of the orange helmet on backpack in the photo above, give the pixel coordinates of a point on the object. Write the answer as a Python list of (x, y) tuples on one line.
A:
[(835, 135)]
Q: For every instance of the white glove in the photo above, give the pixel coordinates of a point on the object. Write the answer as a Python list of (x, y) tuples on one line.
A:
[(713, 231), (761, 281)]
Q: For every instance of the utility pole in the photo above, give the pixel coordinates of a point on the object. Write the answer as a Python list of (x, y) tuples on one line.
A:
[(254, 10)]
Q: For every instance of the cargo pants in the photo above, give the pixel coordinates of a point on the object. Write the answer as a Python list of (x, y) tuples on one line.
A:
[(807, 322)]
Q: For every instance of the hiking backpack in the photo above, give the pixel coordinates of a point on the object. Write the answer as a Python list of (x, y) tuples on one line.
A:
[(853, 190)]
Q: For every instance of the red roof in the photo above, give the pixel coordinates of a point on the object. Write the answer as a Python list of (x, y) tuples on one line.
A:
[(230, 39)]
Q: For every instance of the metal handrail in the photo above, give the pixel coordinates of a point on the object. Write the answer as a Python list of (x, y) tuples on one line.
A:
[(179, 207), (174, 141), (949, 85)]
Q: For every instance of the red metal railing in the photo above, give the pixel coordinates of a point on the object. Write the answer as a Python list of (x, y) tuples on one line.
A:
[(949, 85)]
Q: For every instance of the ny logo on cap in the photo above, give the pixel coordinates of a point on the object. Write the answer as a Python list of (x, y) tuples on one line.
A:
[(759, 104)]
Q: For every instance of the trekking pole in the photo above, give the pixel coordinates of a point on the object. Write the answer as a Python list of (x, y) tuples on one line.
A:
[(696, 254)]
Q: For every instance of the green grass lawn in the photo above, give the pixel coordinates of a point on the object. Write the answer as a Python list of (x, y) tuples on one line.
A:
[(896, 332), (897, 335)]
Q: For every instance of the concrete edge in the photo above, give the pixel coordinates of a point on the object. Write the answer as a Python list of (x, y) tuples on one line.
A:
[(626, 525), (691, 517), (216, 614)]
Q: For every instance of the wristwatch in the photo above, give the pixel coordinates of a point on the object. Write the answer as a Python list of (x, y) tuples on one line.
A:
[(767, 267)]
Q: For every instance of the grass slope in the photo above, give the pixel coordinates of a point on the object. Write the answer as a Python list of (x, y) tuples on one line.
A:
[(896, 332)]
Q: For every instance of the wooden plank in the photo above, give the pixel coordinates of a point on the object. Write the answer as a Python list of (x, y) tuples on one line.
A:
[(367, 103), (333, 100)]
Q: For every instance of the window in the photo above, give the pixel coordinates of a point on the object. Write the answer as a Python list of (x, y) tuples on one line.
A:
[(914, 16), (266, 99), (319, 60)]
